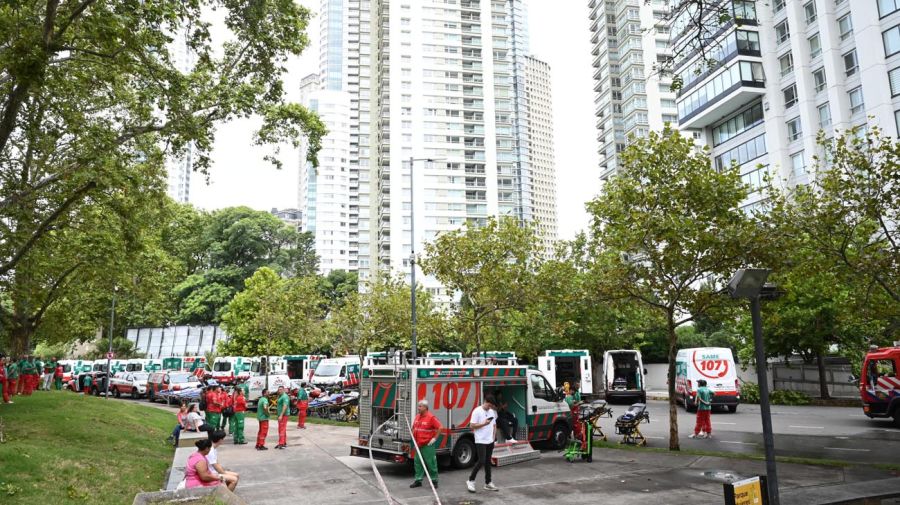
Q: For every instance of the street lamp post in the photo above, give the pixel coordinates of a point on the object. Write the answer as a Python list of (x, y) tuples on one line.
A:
[(412, 251), (750, 283), (112, 322)]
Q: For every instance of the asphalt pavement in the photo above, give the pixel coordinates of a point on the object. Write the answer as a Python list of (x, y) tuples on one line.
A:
[(835, 433)]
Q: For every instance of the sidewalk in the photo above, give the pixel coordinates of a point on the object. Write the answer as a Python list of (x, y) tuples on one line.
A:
[(316, 468)]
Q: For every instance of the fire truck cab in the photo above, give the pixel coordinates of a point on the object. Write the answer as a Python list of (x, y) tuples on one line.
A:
[(389, 394), (879, 384)]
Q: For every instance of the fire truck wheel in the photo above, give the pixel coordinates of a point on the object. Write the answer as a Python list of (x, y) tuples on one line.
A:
[(463, 454), (559, 437)]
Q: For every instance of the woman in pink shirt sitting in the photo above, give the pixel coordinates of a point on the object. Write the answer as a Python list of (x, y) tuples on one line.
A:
[(196, 473)]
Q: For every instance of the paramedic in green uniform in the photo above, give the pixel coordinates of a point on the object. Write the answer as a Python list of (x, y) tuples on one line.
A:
[(262, 415), (283, 411)]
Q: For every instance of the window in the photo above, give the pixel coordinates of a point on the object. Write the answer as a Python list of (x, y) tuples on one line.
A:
[(794, 129), (777, 5), (797, 164), (891, 41), (747, 41), (878, 369), (782, 33), (790, 96), (787, 64), (744, 10), (737, 124), (886, 7), (810, 10), (540, 389), (897, 121), (815, 46), (819, 78), (748, 151), (756, 178), (850, 63), (824, 115), (894, 80), (845, 25), (856, 100)]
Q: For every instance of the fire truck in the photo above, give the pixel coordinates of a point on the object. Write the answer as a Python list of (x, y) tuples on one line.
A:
[(389, 394), (879, 385)]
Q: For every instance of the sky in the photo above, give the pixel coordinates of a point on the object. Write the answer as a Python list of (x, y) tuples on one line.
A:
[(559, 35)]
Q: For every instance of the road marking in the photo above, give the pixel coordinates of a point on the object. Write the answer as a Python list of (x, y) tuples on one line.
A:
[(734, 442), (656, 438), (844, 449), (808, 427), (732, 424), (842, 438)]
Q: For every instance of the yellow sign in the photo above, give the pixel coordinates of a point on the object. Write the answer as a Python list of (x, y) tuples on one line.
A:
[(748, 492)]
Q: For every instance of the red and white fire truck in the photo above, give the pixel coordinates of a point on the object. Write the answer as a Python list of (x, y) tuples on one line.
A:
[(879, 385)]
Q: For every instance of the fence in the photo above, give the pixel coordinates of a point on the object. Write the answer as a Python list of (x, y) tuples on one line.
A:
[(175, 340), (805, 377)]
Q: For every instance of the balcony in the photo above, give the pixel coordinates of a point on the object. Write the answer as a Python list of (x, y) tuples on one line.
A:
[(722, 95)]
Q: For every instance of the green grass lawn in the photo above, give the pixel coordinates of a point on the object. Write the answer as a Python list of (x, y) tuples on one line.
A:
[(65, 448)]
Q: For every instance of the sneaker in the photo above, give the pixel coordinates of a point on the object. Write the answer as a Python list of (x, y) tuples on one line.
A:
[(417, 483), (491, 487), (262, 448), (470, 485), (511, 440), (693, 436)]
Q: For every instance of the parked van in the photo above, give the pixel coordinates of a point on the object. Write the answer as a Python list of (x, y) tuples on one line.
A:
[(342, 372), (713, 364), (568, 365), (256, 383), (143, 365), (623, 376), (192, 363), (262, 365), (228, 369), (879, 385)]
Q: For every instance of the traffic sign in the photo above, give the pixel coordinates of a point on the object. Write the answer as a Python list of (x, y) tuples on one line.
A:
[(110, 355)]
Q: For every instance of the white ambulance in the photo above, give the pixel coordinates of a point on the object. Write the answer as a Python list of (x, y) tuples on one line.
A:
[(340, 372), (716, 366), (568, 365), (228, 369), (624, 376)]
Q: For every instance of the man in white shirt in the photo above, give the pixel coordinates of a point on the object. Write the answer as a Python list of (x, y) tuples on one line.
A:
[(484, 425), (230, 478)]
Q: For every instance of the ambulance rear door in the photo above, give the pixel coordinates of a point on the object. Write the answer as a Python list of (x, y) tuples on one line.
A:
[(547, 366), (587, 377)]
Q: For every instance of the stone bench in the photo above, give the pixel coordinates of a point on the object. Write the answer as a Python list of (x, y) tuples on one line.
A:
[(187, 496), (187, 438), (870, 492), (179, 462)]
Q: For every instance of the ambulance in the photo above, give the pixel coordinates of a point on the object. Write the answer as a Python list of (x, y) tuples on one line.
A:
[(301, 366), (337, 372), (716, 366), (879, 385), (192, 363), (623, 376), (227, 369), (389, 394), (143, 365), (568, 365)]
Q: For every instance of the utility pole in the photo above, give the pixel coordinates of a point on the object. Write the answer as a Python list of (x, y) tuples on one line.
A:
[(412, 254), (112, 323)]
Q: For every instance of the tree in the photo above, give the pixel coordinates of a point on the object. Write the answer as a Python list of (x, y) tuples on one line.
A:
[(233, 244), (849, 215), (336, 286), (665, 224), (92, 100), (274, 315), (379, 317), (491, 267)]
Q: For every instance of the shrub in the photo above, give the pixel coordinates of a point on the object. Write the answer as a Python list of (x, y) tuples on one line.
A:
[(789, 398), (750, 392)]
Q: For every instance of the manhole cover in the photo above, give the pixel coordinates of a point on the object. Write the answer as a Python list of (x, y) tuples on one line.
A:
[(721, 476)]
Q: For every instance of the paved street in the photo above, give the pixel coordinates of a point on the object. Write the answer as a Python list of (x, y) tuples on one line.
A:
[(841, 433), (316, 468)]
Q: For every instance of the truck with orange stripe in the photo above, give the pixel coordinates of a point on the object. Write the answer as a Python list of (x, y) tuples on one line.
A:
[(389, 394)]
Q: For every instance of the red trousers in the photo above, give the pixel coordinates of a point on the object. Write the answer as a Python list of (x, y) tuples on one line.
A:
[(302, 407), (282, 429), (20, 384), (261, 434), (28, 387), (703, 422), (9, 390)]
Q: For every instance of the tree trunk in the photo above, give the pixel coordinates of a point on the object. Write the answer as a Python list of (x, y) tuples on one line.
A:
[(673, 412), (823, 382)]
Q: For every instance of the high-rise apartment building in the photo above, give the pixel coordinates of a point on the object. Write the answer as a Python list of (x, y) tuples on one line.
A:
[(441, 82), (633, 94), (540, 142), (785, 70), (179, 168), (325, 191)]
